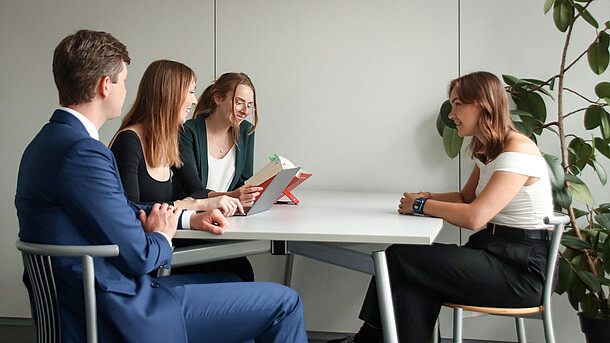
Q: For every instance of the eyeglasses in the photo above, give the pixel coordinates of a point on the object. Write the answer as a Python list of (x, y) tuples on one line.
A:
[(239, 105)]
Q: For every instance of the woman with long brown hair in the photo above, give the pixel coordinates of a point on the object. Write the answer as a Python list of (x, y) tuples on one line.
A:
[(505, 201), (219, 142), (146, 145)]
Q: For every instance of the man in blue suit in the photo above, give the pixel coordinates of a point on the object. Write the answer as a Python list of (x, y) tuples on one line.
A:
[(69, 192)]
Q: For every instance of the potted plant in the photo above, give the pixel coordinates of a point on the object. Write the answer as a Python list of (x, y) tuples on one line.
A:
[(585, 262)]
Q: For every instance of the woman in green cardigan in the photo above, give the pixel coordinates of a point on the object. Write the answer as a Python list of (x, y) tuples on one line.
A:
[(219, 143)]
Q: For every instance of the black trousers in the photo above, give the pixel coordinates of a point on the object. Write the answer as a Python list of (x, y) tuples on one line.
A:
[(239, 266), (488, 271)]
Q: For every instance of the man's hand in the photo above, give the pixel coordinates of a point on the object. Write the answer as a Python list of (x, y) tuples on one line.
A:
[(212, 221), (162, 218)]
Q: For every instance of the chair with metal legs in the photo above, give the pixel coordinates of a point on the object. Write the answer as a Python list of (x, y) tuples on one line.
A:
[(37, 263), (538, 312)]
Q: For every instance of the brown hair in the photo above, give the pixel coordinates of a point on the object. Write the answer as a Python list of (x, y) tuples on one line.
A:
[(163, 88), (487, 92), (225, 84), (81, 60)]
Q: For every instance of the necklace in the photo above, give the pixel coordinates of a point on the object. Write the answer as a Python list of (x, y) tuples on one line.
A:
[(220, 147)]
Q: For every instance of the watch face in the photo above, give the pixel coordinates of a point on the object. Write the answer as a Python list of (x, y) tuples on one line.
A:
[(418, 205)]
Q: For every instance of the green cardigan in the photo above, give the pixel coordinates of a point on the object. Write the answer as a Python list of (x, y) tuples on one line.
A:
[(194, 151)]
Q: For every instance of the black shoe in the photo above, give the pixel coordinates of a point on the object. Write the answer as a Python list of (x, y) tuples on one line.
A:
[(348, 339)]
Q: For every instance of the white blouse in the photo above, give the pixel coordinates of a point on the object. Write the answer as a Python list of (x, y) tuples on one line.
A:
[(532, 203), (221, 171)]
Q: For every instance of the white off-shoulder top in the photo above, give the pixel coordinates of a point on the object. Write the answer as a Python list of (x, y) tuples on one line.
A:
[(532, 203)]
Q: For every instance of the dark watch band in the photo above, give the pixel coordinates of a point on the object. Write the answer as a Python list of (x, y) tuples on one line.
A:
[(418, 205)]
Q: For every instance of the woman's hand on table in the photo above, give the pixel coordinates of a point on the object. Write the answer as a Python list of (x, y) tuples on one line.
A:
[(246, 194), (406, 202), (225, 204)]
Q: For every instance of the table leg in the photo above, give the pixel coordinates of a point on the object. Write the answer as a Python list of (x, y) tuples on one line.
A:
[(384, 295)]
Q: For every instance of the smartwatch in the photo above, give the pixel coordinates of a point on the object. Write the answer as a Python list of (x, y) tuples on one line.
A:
[(418, 205)]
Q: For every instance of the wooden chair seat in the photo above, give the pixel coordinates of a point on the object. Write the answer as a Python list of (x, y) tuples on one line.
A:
[(499, 311)]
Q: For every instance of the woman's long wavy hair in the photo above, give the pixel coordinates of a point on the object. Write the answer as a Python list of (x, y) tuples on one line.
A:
[(225, 85), (163, 88), (486, 91)]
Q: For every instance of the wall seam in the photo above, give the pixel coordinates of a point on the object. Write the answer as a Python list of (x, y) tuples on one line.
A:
[(215, 39), (459, 67)]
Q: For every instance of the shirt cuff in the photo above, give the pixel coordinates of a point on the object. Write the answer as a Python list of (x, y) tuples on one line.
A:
[(185, 219), (169, 241)]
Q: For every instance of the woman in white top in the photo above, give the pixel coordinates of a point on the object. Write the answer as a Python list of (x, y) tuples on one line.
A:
[(505, 200), (219, 141)]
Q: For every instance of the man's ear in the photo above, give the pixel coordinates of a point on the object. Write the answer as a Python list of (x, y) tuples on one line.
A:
[(103, 86)]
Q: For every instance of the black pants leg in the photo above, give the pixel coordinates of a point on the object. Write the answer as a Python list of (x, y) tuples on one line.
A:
[(239, 266), (423, 277)]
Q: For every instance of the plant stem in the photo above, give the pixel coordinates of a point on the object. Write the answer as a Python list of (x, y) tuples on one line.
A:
[(580, 95), (561, 130)]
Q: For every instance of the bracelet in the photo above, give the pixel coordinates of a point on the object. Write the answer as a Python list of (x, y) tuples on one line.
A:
[(418, 205)]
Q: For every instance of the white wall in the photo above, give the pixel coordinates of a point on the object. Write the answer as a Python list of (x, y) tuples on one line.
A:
[(347, 89)]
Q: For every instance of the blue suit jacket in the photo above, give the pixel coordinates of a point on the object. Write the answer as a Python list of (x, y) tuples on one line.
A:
[(69, 192)]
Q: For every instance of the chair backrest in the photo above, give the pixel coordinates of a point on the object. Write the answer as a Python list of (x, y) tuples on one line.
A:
[(558, 221), (37, 263)]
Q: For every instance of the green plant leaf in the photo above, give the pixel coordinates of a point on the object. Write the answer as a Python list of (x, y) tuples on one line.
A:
[(509, 79), (573, 179), (598, 54), (529, 85), (524, 128), (589, 280), (579, 213), (592, 117), (547, 5), (440, 125), (586, 15), (580, 153), (602, 89), (562, 197), (556, 173), (608, 24), (604, 221), (532, 103), (576, 292), (444, 113), (564, 276), (599, 169), (452, 142), (590, 305), (520, 114), (575, 243), (606, 255), (581, 193), (604, 123), (563, 13), (602, 146)]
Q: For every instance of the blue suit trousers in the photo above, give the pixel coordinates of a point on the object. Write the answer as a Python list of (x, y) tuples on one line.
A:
[(236, 311)]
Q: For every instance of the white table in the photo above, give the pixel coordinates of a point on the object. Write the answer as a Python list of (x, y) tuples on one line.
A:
[(306, 229)]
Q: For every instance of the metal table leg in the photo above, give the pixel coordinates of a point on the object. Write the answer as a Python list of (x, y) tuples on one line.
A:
[(384, 294)]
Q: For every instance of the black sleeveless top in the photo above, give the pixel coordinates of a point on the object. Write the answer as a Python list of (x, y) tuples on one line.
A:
[(139, 186)]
